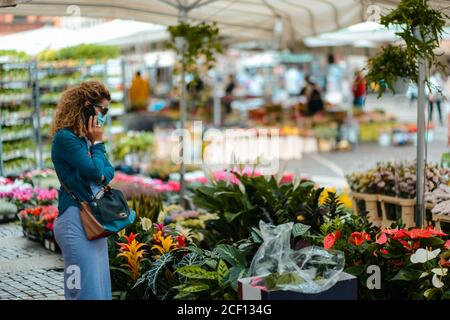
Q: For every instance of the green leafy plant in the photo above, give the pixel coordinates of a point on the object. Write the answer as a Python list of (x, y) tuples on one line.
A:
[(391, 63), (241, 205), (197, 40)]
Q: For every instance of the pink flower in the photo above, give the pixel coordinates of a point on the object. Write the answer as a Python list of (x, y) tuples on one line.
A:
[(382, 239), (447, 245)]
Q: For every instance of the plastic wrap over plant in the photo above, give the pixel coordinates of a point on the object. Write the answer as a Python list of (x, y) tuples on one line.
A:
[(277, 267)]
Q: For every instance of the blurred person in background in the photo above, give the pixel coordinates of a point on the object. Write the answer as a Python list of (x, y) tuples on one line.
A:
[(312, 97), (228, 98), (435, 95), (139, 93), (359, 90), (294, 81), (412, 93)]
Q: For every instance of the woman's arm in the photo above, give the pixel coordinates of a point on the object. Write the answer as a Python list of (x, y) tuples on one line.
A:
[(108, 172), (69, 148)]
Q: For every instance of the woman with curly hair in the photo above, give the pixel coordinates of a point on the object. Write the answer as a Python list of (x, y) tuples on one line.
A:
[(79, 157)]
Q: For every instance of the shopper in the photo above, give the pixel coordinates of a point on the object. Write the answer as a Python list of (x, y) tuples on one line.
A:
[(359, 90), (435, 95), (312, 97), (79, 157), (139, 93)]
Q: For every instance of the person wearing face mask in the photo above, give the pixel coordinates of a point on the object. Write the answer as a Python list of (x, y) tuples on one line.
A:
[(79, 157)]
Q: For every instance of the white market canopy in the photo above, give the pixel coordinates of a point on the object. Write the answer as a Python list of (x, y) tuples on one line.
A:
[(292, 20), (116, 32)]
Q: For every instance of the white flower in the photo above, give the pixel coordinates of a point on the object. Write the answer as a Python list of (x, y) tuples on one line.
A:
[(423, 275), (146, 223), (440, 271), (423, 255), (437, 283)]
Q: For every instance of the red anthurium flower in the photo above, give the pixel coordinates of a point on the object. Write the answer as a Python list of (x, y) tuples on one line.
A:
[(399, 234), (382, 239), (436, 233), (419, 233), (131, 237), (384, 251), (330, 239), (444, 263), (356, 238), (366, 236), (447, 244)]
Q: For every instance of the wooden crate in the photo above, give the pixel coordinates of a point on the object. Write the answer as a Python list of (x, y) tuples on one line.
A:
[(405, 206), (370, 202), (439, 220)]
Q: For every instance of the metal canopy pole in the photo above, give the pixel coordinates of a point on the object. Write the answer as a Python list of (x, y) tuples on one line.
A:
[(183, 111), (420, 183)]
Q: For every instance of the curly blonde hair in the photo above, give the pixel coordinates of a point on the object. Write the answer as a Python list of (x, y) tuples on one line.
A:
[(69, 111)]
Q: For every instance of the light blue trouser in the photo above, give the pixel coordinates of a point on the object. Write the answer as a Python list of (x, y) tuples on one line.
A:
[(86, 262)]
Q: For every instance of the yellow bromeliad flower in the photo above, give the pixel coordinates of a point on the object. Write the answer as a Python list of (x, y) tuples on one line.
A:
[(133, 253), (164, 244)]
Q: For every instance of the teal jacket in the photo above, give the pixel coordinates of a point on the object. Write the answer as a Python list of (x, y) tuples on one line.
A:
[(77, 165)]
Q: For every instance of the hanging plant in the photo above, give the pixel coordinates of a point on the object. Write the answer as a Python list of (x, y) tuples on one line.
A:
[(421, 30), (389, 65), (192, 42)]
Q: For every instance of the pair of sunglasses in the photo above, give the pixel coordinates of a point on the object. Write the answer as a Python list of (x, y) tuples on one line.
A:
[(103, 110)]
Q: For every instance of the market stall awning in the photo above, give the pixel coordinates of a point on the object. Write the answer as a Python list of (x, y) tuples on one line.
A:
[(243, 19)]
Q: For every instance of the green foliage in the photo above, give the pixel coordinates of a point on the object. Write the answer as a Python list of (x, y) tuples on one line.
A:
[(214, 274), (82, 51), (15, 55), (241, 206), (128, 143), (411, 15), (421, 29), (391, 63), (200, 40)]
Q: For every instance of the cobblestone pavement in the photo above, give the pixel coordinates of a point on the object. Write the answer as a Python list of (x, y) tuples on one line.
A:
[(27, 269)]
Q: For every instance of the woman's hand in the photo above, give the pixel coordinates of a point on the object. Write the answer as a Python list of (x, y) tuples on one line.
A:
[(95, 131)]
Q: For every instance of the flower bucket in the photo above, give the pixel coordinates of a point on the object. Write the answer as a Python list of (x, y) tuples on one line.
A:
[(50, 244), (364, 202), (394, 208)]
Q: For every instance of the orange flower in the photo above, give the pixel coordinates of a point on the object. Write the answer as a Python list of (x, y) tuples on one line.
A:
[(133, 253)]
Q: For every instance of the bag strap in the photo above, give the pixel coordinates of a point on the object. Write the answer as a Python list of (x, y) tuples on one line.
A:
[(104, 189), (72, 194)]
